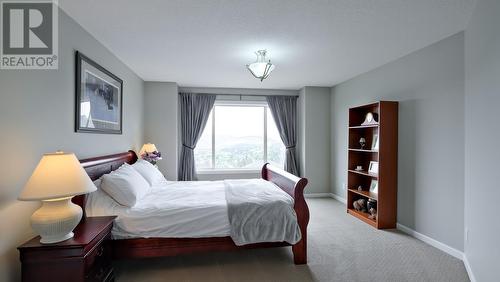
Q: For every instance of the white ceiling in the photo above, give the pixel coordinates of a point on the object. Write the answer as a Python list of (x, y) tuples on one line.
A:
[(315, 43)]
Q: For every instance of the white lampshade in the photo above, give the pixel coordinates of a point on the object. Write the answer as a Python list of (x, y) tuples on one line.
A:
[(148, 148), (57, 175)]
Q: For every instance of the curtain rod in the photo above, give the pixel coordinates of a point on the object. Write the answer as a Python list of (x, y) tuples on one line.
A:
[(247, 95)]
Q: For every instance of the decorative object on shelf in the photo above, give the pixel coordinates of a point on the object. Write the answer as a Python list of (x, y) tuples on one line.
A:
[(150, 154), (373, 213), (99, 97), (375, 142), (374, 186), (362, 142), (360, 205), (262, 67), (370, 119), (371, 203), (360, 188), (57, 178), (359, 168), (373, 168)]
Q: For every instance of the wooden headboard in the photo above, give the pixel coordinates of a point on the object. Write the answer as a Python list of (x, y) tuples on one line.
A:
[(97, 167)]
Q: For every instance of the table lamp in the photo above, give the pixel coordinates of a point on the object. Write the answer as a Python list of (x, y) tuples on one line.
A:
[(148, 148), (57, 178)]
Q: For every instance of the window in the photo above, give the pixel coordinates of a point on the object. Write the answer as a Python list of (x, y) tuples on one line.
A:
[(239, 136)]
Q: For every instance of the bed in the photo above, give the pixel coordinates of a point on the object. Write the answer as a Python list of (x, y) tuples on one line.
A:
[(150, 246)]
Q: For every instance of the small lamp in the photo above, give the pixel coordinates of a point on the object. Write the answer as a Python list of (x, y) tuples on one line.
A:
[(57, 178), (148, 148), (150, 153)]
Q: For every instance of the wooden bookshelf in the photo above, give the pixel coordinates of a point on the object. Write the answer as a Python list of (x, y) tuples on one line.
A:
[(386, 130)]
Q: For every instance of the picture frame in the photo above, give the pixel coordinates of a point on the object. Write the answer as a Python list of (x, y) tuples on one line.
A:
[(99, 98), (374, 186), (373, 167), (375, 142)]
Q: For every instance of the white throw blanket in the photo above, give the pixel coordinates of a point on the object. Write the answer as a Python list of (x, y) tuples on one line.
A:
[(259, 211)]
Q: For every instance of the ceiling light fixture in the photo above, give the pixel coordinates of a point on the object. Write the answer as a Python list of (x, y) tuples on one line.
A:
[(262, 67)]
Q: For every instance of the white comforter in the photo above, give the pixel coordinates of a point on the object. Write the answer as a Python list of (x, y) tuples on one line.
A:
[(259, 211), (173, 209)]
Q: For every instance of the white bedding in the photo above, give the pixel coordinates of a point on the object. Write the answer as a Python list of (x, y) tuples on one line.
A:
[(172, 209)]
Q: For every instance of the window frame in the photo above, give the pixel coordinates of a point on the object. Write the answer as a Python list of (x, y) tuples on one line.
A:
[(236, 103)]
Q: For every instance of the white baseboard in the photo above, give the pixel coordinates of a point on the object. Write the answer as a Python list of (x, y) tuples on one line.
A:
[(468, 268), (426, 239), (317, 195), (441, 246), (326, 195), (338, 198)]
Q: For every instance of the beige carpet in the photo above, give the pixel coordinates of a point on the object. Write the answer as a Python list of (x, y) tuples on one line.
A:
[(341, 248)]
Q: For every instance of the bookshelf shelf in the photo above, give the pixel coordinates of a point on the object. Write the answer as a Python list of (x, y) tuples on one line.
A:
[(362, 216), (364, 172), (362, 150), (364, 193), (363, 126)]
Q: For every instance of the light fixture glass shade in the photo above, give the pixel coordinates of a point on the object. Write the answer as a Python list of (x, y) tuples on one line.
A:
[(57, 175), (148, 148), (262, 67)]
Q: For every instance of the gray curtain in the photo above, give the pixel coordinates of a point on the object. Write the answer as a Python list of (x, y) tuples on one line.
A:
[(195, 109), (284, 111)]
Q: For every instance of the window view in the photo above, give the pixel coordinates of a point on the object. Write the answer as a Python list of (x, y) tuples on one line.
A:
[(239, 137), (275, 147)]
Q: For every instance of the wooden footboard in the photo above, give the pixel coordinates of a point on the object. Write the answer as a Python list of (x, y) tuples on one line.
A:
[(156, 247), (294, 186)]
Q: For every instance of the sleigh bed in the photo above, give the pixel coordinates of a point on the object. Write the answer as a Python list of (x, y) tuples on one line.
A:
[(161, 246)]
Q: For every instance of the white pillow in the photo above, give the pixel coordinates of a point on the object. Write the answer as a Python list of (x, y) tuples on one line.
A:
[(152, 175), (125, 185)]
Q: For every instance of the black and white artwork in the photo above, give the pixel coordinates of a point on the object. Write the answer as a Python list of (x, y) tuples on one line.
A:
[(99, 96)]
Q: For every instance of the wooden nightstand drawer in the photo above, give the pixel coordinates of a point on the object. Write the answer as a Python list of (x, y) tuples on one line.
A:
[(98, 262), (99, 255), (101, 272), (85, 257)]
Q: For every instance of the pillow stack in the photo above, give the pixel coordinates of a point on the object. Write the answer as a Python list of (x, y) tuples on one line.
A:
[(130, 183), (152, 175)]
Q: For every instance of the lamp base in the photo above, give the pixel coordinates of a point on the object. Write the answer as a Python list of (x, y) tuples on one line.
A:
[(51, 239), (56, 219)]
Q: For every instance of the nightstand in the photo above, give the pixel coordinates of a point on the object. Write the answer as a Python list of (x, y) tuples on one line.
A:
[(85, 257)]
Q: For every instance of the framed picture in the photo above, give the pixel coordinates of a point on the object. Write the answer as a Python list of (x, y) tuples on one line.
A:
[(99, 97), (374, 186), (375, 142), (373, 168)]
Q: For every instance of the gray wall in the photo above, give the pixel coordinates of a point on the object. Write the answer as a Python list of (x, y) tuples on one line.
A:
[(161, 123), (314, 132), (482, 100), (429, 84), (37, 116)]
